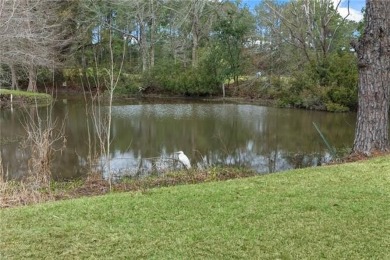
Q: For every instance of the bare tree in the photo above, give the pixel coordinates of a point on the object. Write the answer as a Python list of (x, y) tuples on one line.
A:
[(197, 7), (43, 133), (310, 26), (32, 35), (108, 73)]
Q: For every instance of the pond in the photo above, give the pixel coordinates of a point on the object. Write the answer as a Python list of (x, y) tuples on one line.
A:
[(146, 134)]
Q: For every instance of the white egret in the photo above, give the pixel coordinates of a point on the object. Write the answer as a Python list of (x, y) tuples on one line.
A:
[(184, 160)]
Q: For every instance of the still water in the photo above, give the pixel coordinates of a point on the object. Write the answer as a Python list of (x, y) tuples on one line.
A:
[(146, 133)]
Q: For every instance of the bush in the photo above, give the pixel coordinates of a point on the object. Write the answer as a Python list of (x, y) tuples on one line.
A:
[(344, 75), (331, 85), (171, 78), (343, 96), (333, 107), (129, 84)]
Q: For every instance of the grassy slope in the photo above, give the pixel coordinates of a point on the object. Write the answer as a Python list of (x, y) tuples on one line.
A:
[(336, 212)]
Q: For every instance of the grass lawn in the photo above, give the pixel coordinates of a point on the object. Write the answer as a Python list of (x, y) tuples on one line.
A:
[(27, 97), (333, 212)]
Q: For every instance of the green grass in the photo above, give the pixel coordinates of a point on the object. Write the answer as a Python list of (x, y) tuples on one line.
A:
[(333, 212), (28, 97)]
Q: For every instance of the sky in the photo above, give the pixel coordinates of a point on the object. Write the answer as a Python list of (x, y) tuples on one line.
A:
[(355, 7)]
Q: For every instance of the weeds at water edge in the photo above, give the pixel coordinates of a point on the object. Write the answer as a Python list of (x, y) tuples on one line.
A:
[(20, 193)]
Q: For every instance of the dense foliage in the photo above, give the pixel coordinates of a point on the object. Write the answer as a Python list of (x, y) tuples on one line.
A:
[(193, 48)]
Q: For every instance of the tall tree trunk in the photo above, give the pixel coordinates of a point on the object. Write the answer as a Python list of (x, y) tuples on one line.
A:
[(84, 66), (14, 78), (32, 78), (1, 74), (195, 36), (194, 49), (143, 46), (152, 32), (197, 9), (373, 50)]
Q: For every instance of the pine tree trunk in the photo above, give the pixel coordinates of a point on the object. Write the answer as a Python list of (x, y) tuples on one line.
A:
[(373, 48)]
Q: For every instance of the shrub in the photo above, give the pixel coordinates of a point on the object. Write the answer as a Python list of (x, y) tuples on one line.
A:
[(343, 96), (334, 107), (129, 84), (171, 78), (331, 85)]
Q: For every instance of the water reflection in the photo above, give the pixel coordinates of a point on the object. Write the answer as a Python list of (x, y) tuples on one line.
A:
[(145, 136)]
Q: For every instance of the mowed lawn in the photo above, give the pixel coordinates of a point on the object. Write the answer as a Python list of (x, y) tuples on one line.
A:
[(333, 212)]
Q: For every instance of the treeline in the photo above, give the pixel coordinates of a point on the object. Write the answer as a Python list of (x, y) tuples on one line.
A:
[(197, 47)]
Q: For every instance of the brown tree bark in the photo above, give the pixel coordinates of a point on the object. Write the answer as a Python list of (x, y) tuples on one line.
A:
[(373, 49), (32, 78), (14, 77)]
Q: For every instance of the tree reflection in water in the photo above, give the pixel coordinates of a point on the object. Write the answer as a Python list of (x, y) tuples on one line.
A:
[(145, 136)]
